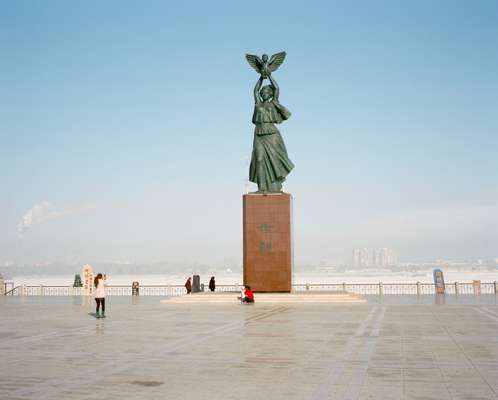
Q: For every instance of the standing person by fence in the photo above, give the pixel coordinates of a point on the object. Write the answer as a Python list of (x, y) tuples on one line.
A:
[(99, 295), (188, 285), (212, 284)]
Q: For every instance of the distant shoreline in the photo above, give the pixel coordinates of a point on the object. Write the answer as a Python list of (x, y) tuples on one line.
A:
[(236, 278)]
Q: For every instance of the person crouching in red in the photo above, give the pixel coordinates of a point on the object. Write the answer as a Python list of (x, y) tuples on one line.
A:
[(248, 295)]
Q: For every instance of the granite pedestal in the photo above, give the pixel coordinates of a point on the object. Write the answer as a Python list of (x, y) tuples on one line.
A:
[(267, 227)]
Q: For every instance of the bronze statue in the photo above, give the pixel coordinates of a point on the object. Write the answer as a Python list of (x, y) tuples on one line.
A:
[(270, 163)]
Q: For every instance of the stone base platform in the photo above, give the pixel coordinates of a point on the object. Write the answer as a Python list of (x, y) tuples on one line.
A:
[(275, 298)]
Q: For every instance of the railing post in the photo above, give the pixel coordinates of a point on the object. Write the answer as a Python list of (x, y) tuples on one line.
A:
[(476, 287), (381, 289), (343, 286), (41, 290), (419, 289), (456, 288), (24, 291)]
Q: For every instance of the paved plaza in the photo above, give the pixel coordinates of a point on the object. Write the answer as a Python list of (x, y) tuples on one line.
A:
[(387, 348)]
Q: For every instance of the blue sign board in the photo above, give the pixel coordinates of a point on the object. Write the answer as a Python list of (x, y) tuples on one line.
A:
[(439, 281)]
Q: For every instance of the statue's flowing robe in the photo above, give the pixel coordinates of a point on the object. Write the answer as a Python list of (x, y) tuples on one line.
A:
[(270, 163)]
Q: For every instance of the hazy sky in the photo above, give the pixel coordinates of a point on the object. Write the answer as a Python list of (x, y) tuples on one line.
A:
[(125, 127)]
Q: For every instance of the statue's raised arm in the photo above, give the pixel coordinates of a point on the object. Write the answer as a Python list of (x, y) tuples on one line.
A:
[(276, 89), (257, 88)]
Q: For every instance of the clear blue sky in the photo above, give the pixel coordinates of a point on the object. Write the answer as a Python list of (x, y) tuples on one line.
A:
[(133, 120)]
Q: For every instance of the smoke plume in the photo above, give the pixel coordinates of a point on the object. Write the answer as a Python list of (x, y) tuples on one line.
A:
[(42, 212)]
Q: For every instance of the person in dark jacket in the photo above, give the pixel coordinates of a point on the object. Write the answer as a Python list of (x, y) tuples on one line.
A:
[(212, 284), (188, 285)]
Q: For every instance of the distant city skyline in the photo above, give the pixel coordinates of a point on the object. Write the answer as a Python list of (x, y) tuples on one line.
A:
[(360, 258), (125, 128)]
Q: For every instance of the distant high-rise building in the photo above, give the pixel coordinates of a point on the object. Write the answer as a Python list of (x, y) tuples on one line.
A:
[(376, 257), (392, 258), (361, 258), (382, 257)]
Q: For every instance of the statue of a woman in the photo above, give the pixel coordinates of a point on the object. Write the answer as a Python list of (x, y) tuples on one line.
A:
[(270, 163)]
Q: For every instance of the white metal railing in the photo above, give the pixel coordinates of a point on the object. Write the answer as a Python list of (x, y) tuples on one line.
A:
[(417, 288), (111, 290), (366, 289)]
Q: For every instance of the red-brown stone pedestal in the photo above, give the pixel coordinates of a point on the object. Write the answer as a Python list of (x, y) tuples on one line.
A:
[(268, 242)]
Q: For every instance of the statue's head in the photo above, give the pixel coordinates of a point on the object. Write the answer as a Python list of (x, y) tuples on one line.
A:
[(264, 57), (266, 92)]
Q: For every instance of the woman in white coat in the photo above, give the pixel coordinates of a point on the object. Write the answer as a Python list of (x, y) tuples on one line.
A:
[(99, 295)]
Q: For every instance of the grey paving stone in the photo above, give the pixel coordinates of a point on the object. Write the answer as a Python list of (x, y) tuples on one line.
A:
[(397, 349)]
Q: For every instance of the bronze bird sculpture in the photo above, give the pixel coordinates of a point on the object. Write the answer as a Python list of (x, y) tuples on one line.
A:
[(263, 66)]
